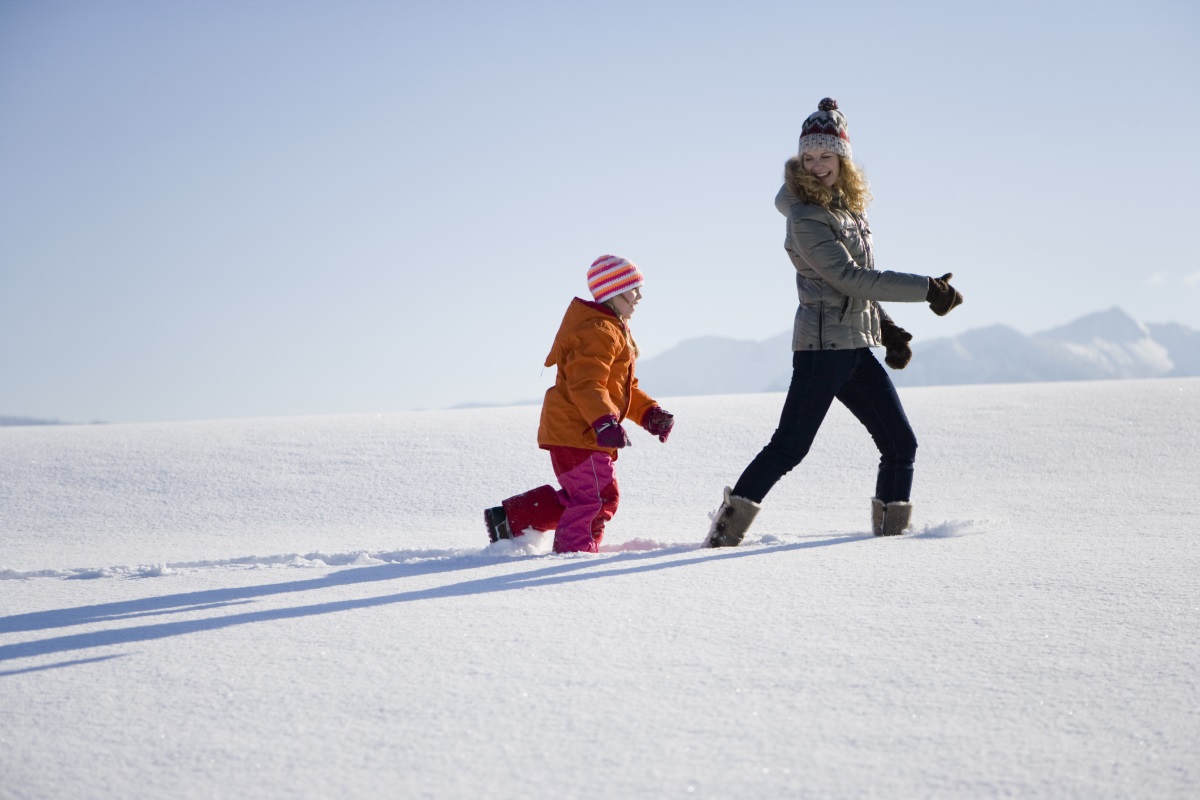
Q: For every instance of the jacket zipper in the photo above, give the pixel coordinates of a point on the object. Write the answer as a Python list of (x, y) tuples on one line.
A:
[(862, 235)]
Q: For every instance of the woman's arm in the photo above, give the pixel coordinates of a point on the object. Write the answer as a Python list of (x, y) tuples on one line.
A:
[(814, 240)]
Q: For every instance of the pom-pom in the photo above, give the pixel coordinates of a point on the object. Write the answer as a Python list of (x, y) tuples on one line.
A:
[(828, 104)]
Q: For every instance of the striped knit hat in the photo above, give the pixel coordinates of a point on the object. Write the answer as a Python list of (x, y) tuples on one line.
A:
[(610, 276), (826, 129)]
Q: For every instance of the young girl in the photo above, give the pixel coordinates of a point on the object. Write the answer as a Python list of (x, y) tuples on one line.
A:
[(824, 198), (594, 392)]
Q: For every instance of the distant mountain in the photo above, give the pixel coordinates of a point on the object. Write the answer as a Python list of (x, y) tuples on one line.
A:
[(1106, 345), (13, 421), (714, 365), (1182, 343)]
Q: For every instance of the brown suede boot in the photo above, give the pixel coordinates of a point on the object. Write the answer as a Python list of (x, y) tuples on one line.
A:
[(890, 519), (732, 520)]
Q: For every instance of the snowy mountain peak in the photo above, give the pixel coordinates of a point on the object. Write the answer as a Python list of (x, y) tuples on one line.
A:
[(1105, 345), (1113, 325)]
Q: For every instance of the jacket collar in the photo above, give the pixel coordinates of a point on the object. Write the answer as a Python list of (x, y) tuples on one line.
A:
[(601, 307)]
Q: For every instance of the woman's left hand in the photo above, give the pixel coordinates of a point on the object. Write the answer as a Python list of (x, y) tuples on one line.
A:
[(942, 297)]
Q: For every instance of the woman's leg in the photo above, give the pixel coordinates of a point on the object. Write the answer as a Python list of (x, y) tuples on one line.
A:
[(816, 377), (872, 399)]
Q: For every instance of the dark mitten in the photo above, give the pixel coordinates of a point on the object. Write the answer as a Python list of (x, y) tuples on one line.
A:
[(658, 422), (896, 340), (942, 297), (609, 433)]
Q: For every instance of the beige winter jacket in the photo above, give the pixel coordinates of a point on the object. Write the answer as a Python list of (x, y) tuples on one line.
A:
[(836, 277)]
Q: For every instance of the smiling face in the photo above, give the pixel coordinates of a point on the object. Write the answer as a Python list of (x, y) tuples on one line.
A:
[(824, 164), (625, 302)]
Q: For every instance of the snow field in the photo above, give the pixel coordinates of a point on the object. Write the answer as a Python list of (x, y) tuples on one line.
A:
[(307, 607)]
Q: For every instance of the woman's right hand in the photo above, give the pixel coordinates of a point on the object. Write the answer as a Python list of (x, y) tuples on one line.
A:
[(896, 341)]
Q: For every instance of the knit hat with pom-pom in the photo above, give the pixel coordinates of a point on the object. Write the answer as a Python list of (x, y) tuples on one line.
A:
[(610, 276), (826, 129)]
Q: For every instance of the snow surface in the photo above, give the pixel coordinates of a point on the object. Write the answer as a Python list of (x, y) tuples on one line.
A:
[(305, 607)]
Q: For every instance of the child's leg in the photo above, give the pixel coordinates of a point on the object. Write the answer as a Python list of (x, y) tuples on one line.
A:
[(538, 508), (589, 496)]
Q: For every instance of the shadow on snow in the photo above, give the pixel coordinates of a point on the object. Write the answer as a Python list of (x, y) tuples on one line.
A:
[(573, 570)]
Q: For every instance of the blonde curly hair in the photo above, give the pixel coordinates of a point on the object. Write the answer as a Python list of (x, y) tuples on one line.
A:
[(851, 184)]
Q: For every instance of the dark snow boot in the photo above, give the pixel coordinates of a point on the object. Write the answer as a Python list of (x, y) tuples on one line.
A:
[(497, 523), (732, 520), (890, 519)]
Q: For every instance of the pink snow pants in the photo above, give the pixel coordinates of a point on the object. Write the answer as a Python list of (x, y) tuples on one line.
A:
[(577, 512)]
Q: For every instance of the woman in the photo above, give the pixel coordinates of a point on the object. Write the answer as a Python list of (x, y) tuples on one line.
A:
[(824, 198)]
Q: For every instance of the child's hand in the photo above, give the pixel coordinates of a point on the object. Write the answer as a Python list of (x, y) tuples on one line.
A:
[(609, 433), (658, 423)]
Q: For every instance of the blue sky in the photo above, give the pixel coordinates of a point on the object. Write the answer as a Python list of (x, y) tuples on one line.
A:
[(234, 209)]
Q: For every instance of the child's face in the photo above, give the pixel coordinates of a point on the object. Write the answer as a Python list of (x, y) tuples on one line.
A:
[(624, 303)]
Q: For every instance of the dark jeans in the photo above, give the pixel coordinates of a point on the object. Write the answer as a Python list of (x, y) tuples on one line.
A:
[(857, 379)]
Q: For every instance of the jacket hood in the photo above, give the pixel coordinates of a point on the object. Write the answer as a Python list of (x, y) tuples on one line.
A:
[(785, 200), (579, 313)]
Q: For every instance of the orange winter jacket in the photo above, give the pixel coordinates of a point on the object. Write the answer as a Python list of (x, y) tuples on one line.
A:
[(595, 378)]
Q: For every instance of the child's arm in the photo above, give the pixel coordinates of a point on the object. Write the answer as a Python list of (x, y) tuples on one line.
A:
[(649, 414), (640, 404), (587, 366)]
